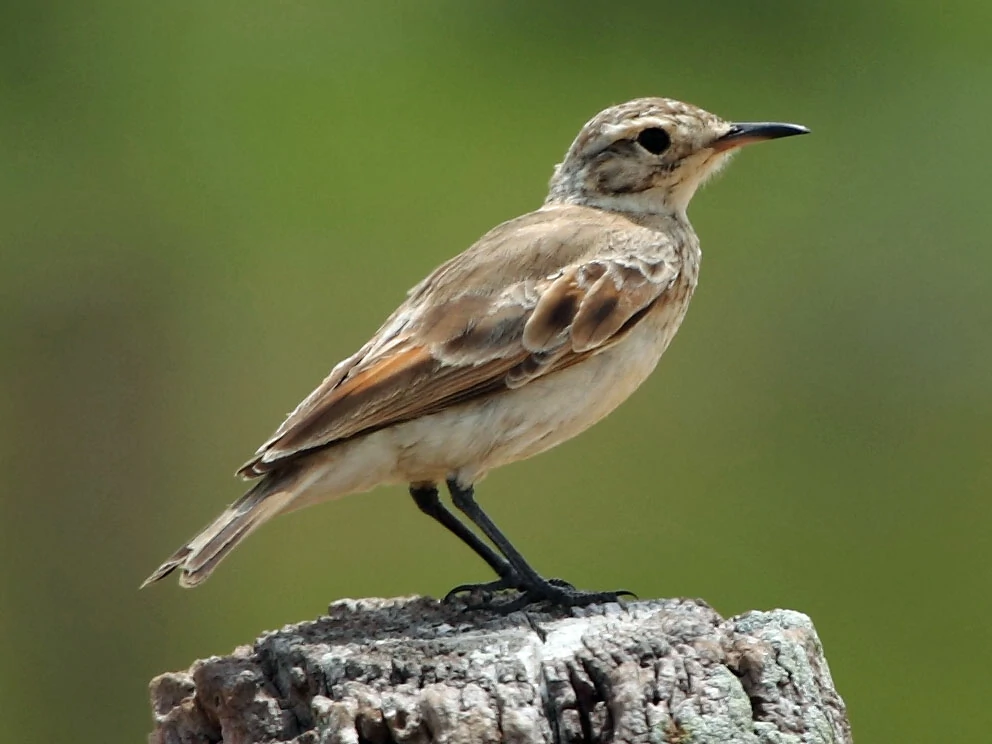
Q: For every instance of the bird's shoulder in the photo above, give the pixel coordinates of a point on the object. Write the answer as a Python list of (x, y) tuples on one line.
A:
[(539, 244)]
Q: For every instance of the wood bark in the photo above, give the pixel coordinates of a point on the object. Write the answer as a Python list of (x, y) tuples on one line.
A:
[(414, 670)]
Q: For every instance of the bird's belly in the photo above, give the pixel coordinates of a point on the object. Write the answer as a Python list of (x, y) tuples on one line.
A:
[(470, 439)]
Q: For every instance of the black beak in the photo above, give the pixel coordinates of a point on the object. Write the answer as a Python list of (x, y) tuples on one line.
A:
[(748, 132)]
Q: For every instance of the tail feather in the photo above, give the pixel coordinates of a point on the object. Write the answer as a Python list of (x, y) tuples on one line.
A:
[(199, 557)]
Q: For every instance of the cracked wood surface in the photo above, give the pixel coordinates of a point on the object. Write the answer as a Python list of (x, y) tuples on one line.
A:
[(382, 671)]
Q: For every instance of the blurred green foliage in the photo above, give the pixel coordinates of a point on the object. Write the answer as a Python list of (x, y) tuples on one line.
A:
[(206, 205)]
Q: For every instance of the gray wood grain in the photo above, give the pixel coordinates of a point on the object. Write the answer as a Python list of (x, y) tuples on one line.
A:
[(382, 671)]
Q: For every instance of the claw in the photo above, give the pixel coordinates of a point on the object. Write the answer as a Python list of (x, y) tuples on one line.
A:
[(559, 597), (489, 587), (505, 583), (553, 591)]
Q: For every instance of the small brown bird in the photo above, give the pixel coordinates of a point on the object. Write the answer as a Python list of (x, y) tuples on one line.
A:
[(526, 339)]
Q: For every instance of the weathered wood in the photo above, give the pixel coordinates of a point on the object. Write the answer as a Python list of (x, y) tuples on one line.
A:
[(415, 670)]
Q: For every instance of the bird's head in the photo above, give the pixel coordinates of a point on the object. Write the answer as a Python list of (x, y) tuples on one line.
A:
[(651, 154)]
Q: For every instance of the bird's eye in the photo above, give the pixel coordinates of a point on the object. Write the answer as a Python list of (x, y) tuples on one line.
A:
[(654, 139)]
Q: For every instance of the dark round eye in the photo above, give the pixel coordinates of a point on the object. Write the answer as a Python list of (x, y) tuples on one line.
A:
[(655, 140)]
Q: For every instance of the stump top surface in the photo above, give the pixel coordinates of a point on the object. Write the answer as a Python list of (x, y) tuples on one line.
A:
[(413, 669)]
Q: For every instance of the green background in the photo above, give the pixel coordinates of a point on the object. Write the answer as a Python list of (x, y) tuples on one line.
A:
[(204, 206)]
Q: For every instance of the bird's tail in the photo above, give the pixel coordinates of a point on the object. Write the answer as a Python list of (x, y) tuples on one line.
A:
[(197, 559)]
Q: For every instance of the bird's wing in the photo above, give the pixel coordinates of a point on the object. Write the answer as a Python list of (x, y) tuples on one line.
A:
[(434, 353)]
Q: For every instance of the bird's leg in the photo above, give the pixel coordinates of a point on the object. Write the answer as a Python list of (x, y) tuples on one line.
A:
[(426, 497), (532, 586)]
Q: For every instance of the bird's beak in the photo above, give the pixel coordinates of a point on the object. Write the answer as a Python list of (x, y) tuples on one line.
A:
[(747, 132)]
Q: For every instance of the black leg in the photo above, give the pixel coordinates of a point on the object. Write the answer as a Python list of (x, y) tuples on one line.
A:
[(426, 498), (532, 585), (464, 500)]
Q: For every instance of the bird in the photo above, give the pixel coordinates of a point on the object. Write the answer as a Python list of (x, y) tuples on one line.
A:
[(526, 339)]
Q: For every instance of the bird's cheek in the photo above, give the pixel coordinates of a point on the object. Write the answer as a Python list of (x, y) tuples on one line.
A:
[(620, 177)]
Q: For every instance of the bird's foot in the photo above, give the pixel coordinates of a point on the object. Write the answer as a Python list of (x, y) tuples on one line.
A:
[(490, 588), (557, 592), (559, 596)]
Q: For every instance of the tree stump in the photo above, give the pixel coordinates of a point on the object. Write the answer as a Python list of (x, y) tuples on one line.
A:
[(381, 671)]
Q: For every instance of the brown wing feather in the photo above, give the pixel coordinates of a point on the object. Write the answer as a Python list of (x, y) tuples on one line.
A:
[(429, 357)]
